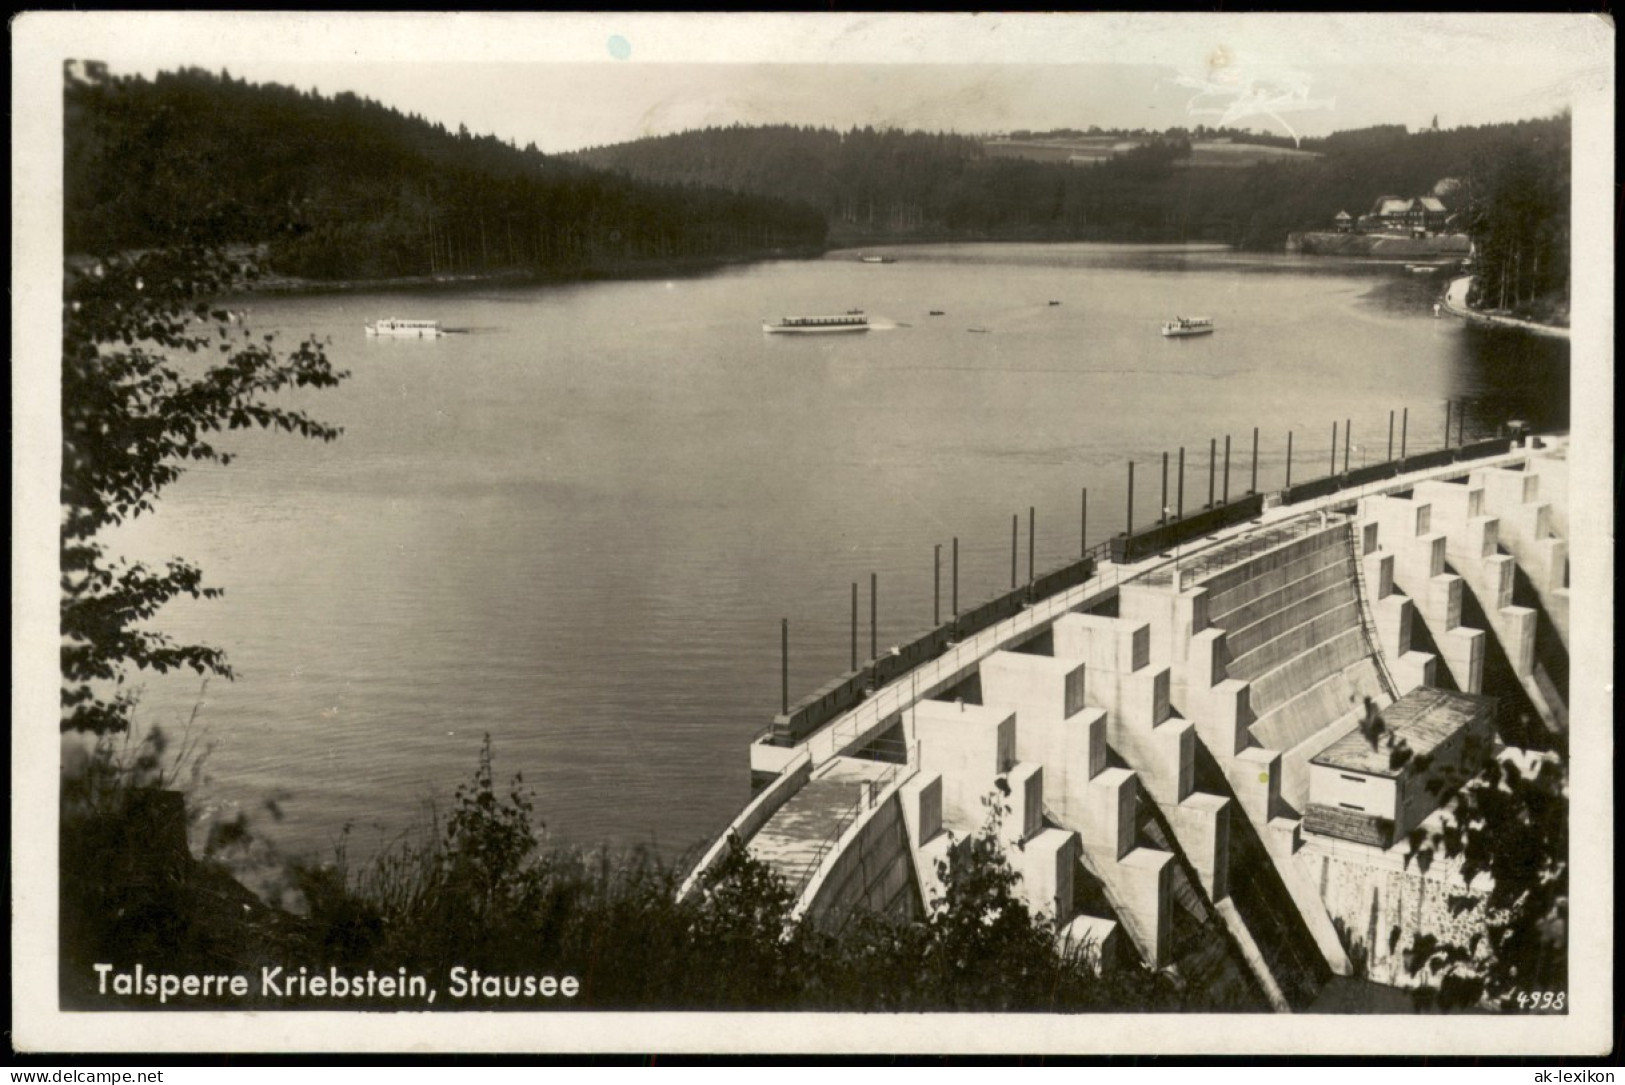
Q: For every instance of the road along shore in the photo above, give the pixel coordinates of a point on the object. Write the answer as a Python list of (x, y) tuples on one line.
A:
[(1455, 302)]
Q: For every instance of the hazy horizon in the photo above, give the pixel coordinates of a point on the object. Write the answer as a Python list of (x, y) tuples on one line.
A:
[(997, 100), (566, 83)]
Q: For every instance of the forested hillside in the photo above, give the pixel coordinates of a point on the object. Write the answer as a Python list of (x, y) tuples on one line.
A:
[(888, 184), (346, 188)]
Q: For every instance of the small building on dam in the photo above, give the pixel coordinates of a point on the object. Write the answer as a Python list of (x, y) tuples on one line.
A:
[(1384, 778)]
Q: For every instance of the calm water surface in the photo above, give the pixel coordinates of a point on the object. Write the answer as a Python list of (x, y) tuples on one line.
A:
[(577, 523)]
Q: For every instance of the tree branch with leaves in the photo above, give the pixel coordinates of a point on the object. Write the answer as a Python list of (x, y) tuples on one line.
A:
[(1510, 825), (152, 374)]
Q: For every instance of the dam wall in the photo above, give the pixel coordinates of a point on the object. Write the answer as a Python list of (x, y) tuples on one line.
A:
[(1446, 544), (1146, 733), (1380, 902), (871, 871)]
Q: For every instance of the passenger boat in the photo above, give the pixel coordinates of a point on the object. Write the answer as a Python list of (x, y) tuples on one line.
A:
[(878, 259), (1188, 325), (407, 329), (853, 321)]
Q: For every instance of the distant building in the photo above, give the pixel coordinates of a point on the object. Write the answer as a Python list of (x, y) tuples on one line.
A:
[(1417, 216), (1344, 221), (1427, 215), (1374, 789)]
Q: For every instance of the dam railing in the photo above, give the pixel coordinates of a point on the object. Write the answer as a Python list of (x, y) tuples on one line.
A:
[(863, 721), (1368, 628), (850, 691)]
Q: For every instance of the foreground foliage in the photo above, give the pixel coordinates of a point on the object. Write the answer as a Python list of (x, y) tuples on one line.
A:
[(1511, 825), (480, 891), (488, 895)]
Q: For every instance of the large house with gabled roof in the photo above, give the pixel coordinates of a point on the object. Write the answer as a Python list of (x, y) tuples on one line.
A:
[(1417, 216)]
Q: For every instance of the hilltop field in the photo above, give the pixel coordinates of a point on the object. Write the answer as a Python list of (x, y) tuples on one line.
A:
[(1088, 150)]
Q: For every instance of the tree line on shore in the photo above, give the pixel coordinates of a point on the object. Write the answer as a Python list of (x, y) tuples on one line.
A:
[(1520, 227)]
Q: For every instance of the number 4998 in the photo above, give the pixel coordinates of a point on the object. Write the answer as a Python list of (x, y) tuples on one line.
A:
[(1542, 1000)]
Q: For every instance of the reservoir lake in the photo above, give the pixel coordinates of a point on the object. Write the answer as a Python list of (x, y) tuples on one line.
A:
[(576, 522)]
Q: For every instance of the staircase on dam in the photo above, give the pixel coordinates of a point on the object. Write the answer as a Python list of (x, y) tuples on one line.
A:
[(1531, 509), (800, 834), (1295, 632)]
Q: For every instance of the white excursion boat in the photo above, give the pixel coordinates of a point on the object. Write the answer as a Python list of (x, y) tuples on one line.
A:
[(853, 321), (408, 329), (877, 259), (1188, 325)]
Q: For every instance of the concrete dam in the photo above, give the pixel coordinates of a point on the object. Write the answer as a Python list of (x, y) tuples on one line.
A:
[(1176, 725)]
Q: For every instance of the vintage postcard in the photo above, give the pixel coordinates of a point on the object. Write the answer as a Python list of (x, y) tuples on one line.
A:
[(1067, 534)]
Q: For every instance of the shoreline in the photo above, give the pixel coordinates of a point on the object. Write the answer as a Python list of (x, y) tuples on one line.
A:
[(1454, 302), (284, 284), (1385, 247), (293, 284)]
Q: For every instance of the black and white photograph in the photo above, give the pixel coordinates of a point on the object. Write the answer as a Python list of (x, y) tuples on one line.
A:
[(1072, 534)]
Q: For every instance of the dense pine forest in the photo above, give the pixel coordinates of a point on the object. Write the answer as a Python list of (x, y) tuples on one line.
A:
[(344, 187), (1520, 224)]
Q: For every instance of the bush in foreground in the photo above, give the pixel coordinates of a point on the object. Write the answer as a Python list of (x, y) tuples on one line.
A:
[(478, 891)]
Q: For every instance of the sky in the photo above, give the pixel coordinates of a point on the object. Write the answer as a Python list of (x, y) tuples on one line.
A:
[(568, 82)]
